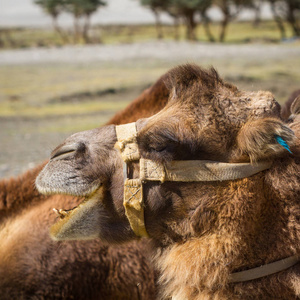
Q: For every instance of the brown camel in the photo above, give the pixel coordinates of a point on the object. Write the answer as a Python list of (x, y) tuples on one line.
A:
[(212, 183), (32, 266), (286, 108)]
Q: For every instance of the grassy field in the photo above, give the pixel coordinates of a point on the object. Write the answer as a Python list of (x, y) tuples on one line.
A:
[(45, 90), (237, 32)]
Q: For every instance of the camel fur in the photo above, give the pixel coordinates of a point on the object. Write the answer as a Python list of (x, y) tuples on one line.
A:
[(202, 231), (32, 266)]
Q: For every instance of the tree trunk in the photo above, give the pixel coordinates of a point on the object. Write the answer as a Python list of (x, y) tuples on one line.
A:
[(1, 39), (278, 21), (176, 28), (206, 22), (60, 32), (158, 26), (76, 29), (85, 30), (191, 25), (224, 25), (257, 10), (292, 20)]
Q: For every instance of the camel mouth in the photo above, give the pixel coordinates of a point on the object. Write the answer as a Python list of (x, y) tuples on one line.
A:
[(65, 213), (71, 223), (62, 213)]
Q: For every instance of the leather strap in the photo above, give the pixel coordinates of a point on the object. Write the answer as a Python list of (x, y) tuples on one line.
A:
[(198, 170), (264, 270)]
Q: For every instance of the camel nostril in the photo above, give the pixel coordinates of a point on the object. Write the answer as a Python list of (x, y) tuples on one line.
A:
[(64, 151)]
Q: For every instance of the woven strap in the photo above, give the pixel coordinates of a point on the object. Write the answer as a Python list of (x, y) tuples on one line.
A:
[(197, 170), (134, 206), (126, 144), (133, 190), (264, 270)]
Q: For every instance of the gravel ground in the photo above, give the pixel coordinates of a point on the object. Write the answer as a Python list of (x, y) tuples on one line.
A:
[(165, 50), (26, 142)]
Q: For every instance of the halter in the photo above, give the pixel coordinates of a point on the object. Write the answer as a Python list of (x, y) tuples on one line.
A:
[(182, 171)]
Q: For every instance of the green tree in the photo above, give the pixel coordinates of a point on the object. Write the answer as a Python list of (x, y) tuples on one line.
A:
[(184, 9), (53, 8), (288, 10), (82, 9), (230, 9), (188, 9), (156, 7), (278, 18), (293, 15), (203, 8)]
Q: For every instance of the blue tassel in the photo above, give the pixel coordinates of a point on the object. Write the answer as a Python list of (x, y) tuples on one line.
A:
[(283, 143)]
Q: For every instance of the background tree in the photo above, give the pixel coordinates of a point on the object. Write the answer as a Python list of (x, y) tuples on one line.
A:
[(181, 9), (278, 18), (157, 6), (82, 9), (288, 10), (257, 12), (53, 8), (230, 9), (203, 9), (292, 14), (188, 9), (174, 13)]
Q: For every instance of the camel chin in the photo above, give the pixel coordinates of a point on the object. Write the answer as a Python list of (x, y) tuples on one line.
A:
[(79, 223)]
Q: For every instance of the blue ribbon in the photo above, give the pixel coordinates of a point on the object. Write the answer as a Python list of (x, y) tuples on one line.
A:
[(283, 143)]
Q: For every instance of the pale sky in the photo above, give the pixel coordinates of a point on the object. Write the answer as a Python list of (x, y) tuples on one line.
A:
[(26, 13)]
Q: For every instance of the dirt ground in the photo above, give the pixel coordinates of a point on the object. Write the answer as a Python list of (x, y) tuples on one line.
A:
[(27, 140)]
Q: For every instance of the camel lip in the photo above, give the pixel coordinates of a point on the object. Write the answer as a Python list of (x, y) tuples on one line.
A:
[(67, 218), (45, 188), (63, 213)]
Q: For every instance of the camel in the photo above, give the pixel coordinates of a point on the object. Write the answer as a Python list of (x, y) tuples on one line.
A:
[(32, 266), (212, 181), (286, 108)]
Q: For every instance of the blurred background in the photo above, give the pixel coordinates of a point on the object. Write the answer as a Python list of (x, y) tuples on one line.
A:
[(69, 65)]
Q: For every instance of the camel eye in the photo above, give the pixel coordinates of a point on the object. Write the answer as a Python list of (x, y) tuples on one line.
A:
[(158, 148)]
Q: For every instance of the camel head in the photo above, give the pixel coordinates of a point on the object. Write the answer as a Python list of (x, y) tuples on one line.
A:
[(205, 119)]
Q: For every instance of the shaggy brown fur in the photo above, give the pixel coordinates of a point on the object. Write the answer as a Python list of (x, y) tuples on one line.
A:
[(32, 266), (206, 230), (286, 108)]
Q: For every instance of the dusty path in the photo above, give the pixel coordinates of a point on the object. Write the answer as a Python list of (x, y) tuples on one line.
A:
[(165, 50)]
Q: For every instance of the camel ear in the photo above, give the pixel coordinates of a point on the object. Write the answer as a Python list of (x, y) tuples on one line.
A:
[(295, 107), (265, 138)]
